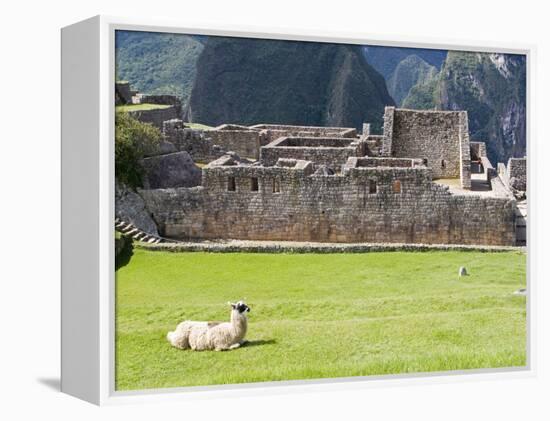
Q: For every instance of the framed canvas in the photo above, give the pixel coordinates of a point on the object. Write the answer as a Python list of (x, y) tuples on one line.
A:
[(244, 211)]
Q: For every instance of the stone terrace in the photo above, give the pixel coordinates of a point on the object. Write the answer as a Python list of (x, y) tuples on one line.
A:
[(388, 200), (421, 182)]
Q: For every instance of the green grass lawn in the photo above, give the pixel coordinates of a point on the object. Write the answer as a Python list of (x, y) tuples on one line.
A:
[(140, 107), (320, 315)]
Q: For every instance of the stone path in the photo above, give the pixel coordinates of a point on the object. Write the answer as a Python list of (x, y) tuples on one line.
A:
[(227, 246)]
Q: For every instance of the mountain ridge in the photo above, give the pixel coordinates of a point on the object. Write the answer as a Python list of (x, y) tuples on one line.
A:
[(158, 63), (287, 82), (410, 71), (491, 87)]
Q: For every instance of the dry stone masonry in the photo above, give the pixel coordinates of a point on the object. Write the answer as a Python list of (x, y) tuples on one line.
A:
[(332, 152), (195, 142), (439, 137), (248, 141), (514, 174), (421, 182), (156, 116), (368, 202)]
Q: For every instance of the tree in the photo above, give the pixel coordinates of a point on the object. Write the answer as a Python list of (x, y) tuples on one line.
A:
[(133, 141)]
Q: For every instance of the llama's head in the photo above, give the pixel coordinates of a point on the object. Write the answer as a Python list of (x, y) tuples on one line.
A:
[(240, 307)]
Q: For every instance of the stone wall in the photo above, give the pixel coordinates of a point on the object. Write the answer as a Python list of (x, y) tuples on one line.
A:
[(465, 154), (274, 131), (375, 145), (435, 136), (240, 139), (178, 212), (488, 169), (201, 148), (514, 175), (480, 164), (363, 204), (477, 150), (252, 246), (389, 116), (382, 191), (369, 162), (517, 173), (439, 137), (332, 152), (156, 116), (247, 141)]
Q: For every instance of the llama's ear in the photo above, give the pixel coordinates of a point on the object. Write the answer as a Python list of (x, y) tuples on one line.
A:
[(231, 304)]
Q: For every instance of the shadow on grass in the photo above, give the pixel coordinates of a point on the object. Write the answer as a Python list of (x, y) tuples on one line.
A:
[(123, 257), (260, 342)]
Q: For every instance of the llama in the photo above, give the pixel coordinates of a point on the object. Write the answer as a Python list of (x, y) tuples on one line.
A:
[(218, 336)]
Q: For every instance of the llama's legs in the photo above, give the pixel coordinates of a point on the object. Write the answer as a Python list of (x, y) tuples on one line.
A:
[(235, 346)]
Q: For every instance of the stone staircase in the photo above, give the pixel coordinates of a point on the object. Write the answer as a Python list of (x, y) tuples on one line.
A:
[(521, 223), (135, 233)]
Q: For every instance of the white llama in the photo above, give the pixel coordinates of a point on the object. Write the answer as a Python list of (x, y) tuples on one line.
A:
[(218, 336)]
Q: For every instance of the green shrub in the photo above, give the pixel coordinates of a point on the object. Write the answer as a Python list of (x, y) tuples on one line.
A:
[(133, 141)]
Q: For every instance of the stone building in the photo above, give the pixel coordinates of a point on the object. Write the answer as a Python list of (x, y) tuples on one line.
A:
[(248, 141), (439, 137), (421, 181)]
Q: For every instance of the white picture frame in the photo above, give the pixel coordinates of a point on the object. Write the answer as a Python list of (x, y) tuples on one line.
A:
[(88, 329)]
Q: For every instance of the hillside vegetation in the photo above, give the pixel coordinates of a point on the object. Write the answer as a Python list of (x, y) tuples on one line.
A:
[(411, 71), (386, 59), (133, 141), (491, 87), (251, 81), (158, 63)]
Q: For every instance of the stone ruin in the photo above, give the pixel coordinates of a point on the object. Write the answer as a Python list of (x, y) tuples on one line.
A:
[(514, 175), (125, 95), (421, 181)]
